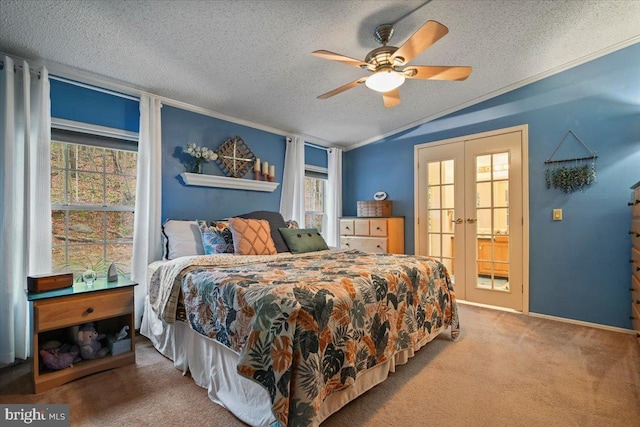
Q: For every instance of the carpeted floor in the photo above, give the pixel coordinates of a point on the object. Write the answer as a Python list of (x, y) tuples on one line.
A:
[(506, 370)]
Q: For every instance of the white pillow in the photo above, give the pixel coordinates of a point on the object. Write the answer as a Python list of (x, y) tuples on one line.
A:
[(182, 238)]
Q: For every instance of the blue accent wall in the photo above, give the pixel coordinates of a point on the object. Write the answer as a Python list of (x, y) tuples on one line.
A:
[(80, 104), (315, 156), (579, 267), (180, 201)]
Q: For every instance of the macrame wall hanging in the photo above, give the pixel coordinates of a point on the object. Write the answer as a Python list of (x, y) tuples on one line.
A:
[(573, 174)]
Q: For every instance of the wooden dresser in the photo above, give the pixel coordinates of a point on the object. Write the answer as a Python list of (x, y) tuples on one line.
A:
[(377, 235), (635, 259), (108, 304)]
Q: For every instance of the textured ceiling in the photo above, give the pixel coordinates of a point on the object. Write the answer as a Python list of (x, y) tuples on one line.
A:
[(251, 60)]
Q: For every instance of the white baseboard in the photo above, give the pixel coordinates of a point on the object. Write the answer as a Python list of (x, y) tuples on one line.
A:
[(582, 323), (557, 319)]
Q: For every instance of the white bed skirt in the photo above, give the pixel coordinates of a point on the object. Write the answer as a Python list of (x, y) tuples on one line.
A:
[(213, 366)]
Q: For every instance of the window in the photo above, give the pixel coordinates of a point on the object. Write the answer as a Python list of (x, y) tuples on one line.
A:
[(314, 198), (93, 191)]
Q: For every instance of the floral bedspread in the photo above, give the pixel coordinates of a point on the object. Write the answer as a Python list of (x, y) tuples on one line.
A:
[(306, 326)]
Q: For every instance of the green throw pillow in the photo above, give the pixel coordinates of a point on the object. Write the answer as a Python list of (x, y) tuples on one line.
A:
[(303, 240)]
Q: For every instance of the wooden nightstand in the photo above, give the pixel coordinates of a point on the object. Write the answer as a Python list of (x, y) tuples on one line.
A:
[(109, 305)]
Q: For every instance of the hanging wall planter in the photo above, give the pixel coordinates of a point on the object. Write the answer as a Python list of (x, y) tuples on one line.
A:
[(575, 174)]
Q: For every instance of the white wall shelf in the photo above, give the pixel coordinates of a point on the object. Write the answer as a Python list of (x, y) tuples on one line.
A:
[(226, 182)]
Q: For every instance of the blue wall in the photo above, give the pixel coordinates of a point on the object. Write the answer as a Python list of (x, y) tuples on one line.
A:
[(179, 201), (72, 102), (579, 267), (315, 156)]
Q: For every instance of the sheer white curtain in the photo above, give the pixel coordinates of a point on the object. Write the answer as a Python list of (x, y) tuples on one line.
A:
[(333, 209), (147, 245), (292, 197), (25, 189)]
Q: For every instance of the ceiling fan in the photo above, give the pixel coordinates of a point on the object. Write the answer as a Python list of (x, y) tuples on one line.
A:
[(387, 62)]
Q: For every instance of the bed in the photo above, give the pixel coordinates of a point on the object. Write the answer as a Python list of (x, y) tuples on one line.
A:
[(290, 338)]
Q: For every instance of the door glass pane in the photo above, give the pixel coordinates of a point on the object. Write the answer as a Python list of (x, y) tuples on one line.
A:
[(434, 173), (434, 246), (492, 212), (447, 196), (434, 221), (434, 197), (447, 172), (483, 195)]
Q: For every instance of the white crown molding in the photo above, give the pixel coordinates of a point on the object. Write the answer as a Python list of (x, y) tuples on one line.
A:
[(203, 180)]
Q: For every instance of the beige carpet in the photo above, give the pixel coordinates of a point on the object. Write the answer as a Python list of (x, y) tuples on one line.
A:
[(506, 370)]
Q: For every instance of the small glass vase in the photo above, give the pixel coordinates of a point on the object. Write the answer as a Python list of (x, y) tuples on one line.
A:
[(89, 276), (196, 167)]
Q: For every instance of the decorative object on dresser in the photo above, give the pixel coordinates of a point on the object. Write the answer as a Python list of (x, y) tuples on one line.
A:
[(374, 208), (58, 316), (378, 235), (635, 259), (235, 157), (49, 282)]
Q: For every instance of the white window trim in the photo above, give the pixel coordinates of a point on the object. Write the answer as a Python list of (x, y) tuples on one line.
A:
[(92, 129)]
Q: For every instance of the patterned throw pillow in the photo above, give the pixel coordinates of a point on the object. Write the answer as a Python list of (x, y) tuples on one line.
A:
[(251, 237), (216, 237), (293, 224)]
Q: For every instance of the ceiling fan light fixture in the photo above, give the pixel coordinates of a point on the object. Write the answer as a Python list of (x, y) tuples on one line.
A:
[(385, 80)]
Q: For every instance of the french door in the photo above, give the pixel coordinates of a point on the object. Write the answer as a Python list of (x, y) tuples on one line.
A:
[(469, 213)]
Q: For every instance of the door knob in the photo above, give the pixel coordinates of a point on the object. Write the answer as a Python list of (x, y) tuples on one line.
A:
[(472, 220), (458, 220)]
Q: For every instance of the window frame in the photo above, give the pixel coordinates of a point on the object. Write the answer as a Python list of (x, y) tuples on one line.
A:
[(75, 133), (320, 173)]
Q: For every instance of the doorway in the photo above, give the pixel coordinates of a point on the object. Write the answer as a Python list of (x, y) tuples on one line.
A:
[(471, 202)]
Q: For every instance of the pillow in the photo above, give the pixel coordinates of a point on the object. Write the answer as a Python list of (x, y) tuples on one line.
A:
[(251, 237), (276, 221), (303, 240), (216, 237), (182, 238)]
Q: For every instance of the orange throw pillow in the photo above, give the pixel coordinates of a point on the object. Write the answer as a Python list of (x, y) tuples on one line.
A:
[(251, 237)]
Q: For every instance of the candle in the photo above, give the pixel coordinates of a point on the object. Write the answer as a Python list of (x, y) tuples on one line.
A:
[(272, 171), (265, 168), (256, 165)]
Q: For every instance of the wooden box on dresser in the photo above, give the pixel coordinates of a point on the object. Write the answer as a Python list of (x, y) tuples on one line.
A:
[(109, 305), (635, 259), (369, 234)]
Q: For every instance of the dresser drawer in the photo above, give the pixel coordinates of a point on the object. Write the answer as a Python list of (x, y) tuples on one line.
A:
[(378, 227), (346, 227), (365, 244), (635, 288), (635, 233), (73, 310), (635, 210), (635, 262), (635, 316), (361, 227)]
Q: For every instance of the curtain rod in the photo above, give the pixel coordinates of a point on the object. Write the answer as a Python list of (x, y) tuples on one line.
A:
[(20, 67), (319, 147)]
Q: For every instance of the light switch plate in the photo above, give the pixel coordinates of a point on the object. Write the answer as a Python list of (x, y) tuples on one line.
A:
[(557, 214)]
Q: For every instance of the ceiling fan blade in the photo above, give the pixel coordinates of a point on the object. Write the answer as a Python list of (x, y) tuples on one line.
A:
[(437, 73), (339, 58), (428, 34), (342, 88), (391, 98)]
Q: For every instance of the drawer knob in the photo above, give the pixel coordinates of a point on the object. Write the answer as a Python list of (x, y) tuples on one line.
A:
[(377, 228), (90, 310), (377, 246), (347, 244), (637, 268), (630, 203)]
